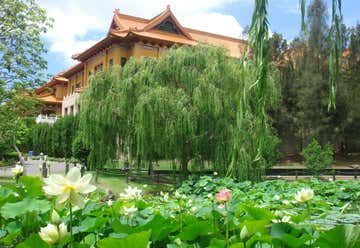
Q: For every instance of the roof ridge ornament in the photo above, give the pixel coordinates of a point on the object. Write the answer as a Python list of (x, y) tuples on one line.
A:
[(168, 6), (116, 11)]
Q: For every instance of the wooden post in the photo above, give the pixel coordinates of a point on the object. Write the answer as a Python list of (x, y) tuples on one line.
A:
[(66, 167), (97, 175), (44, 169)]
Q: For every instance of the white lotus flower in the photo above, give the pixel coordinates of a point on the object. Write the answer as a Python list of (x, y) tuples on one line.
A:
[(17, 170), (286, 202), (110, 203), (131, 193), (53, 234), (286, 219), (276, 197), (130, 211), (193, 209), (304, 195), (69, 188), (177, 194), (166, 197)]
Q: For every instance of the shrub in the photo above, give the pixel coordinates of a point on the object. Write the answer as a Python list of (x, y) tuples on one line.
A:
[(78, 149), (316, 157)]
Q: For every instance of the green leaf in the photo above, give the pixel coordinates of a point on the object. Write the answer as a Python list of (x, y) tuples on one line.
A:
[(12, 210), (87, 224), (136, 240), (217, 243), (196, 229), (33, 241), (344, 236), (258, 213), (33, 185)]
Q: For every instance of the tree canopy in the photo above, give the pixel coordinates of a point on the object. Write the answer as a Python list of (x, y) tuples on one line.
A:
[(21, 64), (181, 106)]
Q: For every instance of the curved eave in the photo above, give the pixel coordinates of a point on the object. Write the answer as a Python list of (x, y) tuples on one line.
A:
[(54, 81), (102, 44), (49, 99)]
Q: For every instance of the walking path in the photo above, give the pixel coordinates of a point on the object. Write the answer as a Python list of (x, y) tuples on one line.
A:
[(31, 168)]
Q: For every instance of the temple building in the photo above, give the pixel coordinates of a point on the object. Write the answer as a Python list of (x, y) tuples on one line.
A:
[(128, 36)]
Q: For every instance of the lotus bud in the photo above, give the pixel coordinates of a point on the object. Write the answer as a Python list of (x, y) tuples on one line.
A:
[(55, 218), (244, 233), (49, 234)]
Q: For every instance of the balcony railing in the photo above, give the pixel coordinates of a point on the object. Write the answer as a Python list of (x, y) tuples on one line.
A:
[(46, 119)]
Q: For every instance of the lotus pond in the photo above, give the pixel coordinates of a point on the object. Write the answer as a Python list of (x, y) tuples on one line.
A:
[(205, 212)]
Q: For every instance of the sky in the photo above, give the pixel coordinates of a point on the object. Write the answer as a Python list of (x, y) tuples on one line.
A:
[(78, 24)]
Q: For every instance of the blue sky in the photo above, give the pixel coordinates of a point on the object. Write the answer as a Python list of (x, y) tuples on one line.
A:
[(79, 24)]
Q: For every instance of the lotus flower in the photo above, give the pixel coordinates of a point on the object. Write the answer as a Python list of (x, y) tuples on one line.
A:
[(223, 196), (304, 195), (17, 170), (129, 211), (53, 234), (131, 193), (69, 188)]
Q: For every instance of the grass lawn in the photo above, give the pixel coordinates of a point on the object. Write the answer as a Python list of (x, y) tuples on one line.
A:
[(117, 184)]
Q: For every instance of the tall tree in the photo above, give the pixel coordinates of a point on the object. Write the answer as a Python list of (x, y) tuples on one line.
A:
[(21, 62)]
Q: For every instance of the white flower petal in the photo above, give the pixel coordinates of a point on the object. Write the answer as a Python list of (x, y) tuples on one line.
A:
[(73, 175), (64, 197), (77, 200), (86, 188), (85, 179)]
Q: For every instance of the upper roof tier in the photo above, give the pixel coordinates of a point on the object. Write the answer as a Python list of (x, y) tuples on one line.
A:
[(164, 29)]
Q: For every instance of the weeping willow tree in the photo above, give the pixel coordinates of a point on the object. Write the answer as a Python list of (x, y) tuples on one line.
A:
[(181, 106)]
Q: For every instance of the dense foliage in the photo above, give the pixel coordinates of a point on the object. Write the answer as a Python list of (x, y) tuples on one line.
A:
[(56, 140), (191, 217), (180, 106), (304, 76), (21, 67), (316, 157)]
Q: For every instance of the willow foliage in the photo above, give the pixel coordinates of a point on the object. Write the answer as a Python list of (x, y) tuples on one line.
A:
[(252, 136), (181, 106)]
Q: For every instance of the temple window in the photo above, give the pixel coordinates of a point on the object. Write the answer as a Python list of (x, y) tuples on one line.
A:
[(111, 62), (123, 61), (168, 26), (78, 85), (98, 67)]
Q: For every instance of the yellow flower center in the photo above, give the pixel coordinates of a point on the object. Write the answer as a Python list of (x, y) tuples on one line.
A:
[(68, 187)]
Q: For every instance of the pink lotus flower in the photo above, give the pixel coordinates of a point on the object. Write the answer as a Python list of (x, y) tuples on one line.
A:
[(223, 196)]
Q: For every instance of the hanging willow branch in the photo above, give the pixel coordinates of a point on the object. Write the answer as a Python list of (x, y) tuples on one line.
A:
[(335, 42), (335, 45), (252, 137)]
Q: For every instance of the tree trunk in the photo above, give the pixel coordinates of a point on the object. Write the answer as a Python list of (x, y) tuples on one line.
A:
[(150, 168), (183, 168), (21, 159)]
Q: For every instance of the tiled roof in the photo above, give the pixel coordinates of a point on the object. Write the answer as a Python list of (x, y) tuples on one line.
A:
[(124, 26), (49, 99)]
